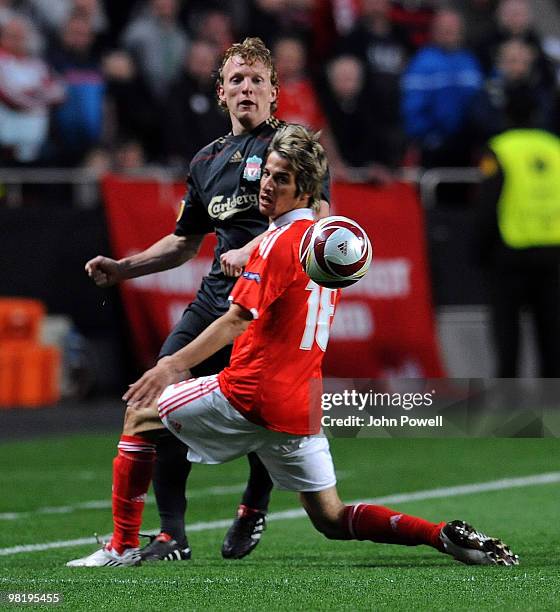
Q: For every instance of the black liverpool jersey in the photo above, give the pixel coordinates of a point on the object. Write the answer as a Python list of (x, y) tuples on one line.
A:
[(222, 197)]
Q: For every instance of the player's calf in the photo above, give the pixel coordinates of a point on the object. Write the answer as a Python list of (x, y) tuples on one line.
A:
[(384, 525), (132, 473)]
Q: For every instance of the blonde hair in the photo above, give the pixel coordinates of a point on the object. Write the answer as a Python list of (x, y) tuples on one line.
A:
[(306, 157), (251, 50)]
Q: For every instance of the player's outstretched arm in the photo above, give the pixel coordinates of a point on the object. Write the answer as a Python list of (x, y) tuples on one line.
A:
[(104, 271), (172, 369), (169, 252)]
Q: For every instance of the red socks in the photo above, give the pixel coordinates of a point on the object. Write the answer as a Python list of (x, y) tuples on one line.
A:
[(132, 474), (381, 524)]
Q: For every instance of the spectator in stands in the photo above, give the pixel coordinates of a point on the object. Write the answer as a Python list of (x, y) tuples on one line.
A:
[(6, 10), (437, 89), (51, 16), (192, 118), (97, 161), (27, 91), (119, 14), (361, 152), (514, 68), (78, 123), (479, 17), (274, 18), (415, 18), (192, 11), (158, 44), (381, 46), (517, 232), (343, 15), (133, 111), (129, 158), (10, 9), (546, 21), (514, 20), (330, 20), (126, 157), (377, 40), (216, 28), (333, 19), (297, 100)]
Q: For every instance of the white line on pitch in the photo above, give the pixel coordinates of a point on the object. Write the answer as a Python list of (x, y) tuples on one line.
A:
[(468, 489), (103, 504), (100, 504)]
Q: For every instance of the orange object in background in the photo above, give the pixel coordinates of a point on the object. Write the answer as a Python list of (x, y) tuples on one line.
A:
[(20, 319), (7, 378), (29, 371)]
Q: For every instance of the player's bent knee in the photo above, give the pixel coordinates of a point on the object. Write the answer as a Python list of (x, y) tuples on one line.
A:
[(331, 528), (141, 419), (326, 512)]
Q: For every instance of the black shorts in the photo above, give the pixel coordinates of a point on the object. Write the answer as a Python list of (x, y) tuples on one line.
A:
[(192, 324)]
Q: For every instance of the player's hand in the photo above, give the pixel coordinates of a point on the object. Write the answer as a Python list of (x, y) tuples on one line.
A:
[(232, 262), (152, 384), (104, 271)]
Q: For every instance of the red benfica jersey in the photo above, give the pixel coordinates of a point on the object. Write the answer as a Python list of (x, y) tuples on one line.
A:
[(274, 376)]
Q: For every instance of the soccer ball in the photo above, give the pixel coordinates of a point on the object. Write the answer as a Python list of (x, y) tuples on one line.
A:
[(335, 252)]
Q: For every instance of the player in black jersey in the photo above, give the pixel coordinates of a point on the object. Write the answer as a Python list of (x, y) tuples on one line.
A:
[(222, 197)]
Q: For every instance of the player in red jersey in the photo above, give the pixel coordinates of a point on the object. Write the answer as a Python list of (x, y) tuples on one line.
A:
[(222, 197), (268, 400)]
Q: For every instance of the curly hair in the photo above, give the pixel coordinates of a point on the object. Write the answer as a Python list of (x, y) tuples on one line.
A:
[(251, 50), (306, 157)]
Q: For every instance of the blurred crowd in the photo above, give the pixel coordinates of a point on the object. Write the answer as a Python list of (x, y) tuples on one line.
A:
[(130, 83)]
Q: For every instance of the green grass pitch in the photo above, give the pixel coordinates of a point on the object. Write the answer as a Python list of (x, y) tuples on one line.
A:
[(47, 484)]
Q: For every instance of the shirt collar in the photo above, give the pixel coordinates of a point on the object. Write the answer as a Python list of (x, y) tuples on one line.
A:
[(293, 215)]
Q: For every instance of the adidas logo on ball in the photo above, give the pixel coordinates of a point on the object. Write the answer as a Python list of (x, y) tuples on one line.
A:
[(335, 252)]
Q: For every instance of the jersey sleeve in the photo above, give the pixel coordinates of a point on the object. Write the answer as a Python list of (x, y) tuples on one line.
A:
[(193, 217), (267, 275)]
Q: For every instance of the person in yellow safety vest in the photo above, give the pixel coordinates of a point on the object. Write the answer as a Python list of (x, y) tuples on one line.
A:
[(517, 235)]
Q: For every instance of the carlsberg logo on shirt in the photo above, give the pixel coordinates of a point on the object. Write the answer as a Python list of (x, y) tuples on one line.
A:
[(223, 209)]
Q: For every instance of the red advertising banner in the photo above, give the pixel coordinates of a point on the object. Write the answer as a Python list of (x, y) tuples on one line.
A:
[(384, 324)]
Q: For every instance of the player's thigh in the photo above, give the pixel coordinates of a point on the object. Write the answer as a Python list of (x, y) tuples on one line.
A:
[(191, 325), (198, 413), (298, 464), (141, 419)]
